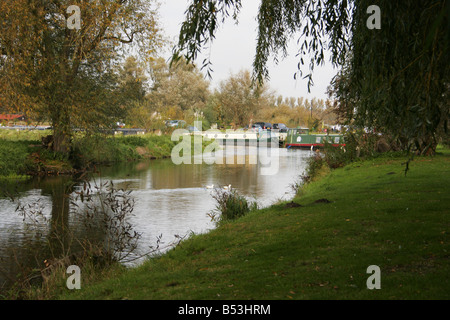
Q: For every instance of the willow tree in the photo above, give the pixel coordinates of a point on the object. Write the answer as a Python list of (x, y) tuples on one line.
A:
[(397, 78), (396, 73), (57, 57)]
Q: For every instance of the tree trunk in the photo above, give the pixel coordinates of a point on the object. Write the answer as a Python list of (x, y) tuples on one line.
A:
[(426, 145), (61, 142), (61, 133)]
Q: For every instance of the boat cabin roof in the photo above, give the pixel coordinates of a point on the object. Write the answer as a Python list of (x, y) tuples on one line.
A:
[(299, 130)]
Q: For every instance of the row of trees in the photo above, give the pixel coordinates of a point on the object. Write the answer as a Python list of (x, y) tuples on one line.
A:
[(81, 78), (395, 79), (181, 91)]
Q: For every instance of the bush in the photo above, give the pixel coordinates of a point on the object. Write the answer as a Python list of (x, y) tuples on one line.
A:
[(104, 211), (313, 166), (356, 145), (136, 141), (359, 145), (230, 205), (104, 149)]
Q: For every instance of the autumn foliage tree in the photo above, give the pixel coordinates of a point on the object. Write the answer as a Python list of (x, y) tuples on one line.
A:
[(238, 101), (66, 75), (179, 86), (296, 112)]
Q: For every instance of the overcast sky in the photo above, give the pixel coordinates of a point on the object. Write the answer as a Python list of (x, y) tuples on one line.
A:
[(234, 50)]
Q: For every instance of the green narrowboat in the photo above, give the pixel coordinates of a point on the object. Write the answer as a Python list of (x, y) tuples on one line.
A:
[(301, 138)]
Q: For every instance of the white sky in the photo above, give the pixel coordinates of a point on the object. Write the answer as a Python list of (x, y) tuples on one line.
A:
[(234, 49)]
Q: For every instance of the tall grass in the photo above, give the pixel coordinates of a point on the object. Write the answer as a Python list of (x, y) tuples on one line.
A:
[(23, 135), (110, 149), (14, 157), (230, 205)]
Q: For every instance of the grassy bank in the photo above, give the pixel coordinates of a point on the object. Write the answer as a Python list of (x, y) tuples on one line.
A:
[(318, 246), (21, 153), (14, 158), (101, 149)]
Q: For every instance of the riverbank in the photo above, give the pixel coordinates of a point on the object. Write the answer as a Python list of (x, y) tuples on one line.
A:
[(318, 246), (22, 153)]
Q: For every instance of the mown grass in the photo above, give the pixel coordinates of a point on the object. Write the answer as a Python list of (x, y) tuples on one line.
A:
[(317, 247)]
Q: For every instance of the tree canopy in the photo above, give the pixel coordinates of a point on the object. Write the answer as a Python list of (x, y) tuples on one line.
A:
[(180, 85), (66, 74), (238, 101), (396, 79)]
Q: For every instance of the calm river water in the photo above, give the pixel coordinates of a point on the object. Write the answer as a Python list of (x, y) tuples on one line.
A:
[(169, 200)]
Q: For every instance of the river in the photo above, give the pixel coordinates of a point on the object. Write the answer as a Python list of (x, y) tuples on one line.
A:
[(169, 201)]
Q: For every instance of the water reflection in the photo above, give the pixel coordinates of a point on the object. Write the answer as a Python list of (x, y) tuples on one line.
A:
[(170, 200), (32, 213)]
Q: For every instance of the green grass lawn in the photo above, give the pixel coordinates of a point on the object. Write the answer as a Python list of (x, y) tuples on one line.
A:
[(373, 215)]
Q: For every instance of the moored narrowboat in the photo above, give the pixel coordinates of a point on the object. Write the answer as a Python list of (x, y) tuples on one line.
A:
[(301, 138)]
